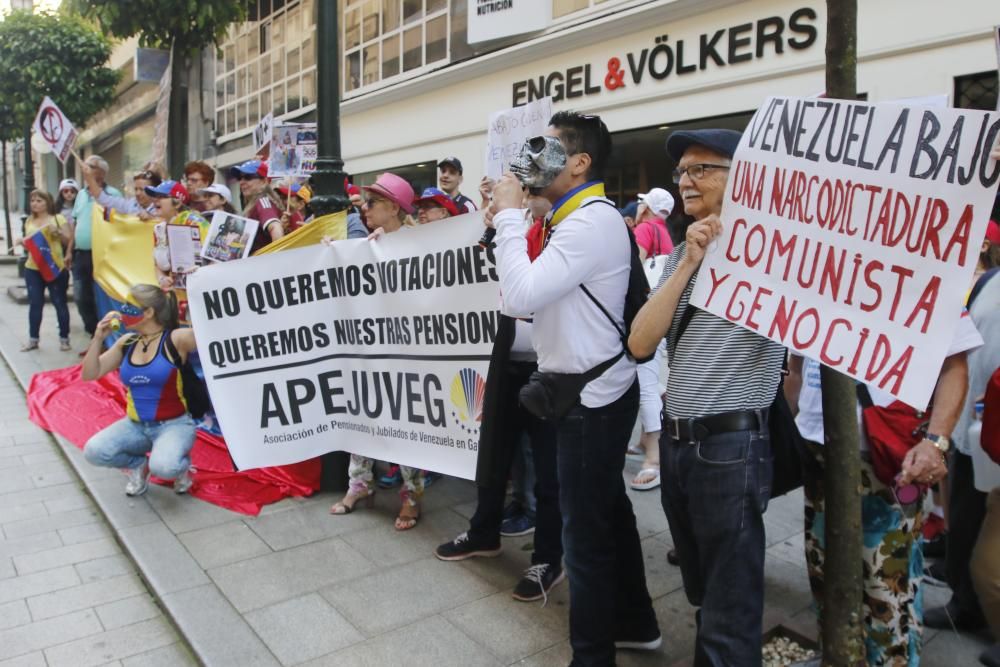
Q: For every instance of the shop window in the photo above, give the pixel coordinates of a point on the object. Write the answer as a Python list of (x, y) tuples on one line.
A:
[(977, 91), (387, 39)]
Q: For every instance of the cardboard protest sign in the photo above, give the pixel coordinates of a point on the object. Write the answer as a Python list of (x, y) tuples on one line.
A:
[(262, 135), (851, 231), (508, 131), (52, 125), (229, 237), (293, 150), (377, 348)]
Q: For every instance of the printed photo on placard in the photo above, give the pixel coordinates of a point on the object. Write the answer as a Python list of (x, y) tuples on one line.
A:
[(184, 247), (229, 237)]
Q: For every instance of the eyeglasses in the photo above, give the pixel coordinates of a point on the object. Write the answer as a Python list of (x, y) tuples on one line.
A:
[(248, 177), (696, 171)]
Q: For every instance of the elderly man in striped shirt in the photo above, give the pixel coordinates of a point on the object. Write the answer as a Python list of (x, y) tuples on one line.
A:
[(714, 449)]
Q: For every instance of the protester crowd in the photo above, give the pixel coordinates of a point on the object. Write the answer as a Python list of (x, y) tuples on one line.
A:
[(708, 394)]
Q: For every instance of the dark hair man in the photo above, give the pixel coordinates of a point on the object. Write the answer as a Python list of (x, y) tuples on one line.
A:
[(587, 245), (714, 447), (449, 180)]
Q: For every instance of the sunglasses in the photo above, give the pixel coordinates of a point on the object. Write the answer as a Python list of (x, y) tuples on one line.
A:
[(372, 200), (145, 175)]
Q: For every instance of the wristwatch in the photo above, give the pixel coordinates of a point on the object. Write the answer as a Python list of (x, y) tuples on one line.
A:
[(942, 442)]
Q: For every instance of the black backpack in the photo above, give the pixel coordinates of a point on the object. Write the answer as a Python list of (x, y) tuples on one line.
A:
[(195, 392)]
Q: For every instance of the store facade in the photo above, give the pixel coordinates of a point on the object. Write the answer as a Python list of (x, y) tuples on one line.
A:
[(647, 68)]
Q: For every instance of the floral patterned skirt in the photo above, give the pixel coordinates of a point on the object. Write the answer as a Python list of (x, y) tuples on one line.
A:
[(893, 564)]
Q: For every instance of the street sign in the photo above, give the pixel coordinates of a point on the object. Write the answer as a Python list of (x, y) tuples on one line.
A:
[(55, 129)]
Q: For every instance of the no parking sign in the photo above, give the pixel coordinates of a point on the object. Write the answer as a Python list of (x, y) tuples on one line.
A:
[(52, 125)]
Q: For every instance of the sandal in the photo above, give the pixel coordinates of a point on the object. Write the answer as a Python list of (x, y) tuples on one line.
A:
[(346, 506), (29, 346), (409, 514), (652, 483)]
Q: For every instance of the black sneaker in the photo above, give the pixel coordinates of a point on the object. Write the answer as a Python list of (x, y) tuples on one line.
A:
[(462, 547), (537, 581)]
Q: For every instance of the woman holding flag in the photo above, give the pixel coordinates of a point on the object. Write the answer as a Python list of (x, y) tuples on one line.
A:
[(45, 234)]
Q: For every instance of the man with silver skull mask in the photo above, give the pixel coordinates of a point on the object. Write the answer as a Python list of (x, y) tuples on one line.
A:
[(575, 291)]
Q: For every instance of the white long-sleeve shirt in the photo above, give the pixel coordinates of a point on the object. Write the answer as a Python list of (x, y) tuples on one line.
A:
[(569, 332)]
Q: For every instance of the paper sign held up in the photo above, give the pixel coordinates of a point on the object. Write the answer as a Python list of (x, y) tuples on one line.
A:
[(52, 125), (510, 128), (851, 231)]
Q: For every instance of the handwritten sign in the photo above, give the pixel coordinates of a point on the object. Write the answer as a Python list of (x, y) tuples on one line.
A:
[(510, 128), (851, 232)]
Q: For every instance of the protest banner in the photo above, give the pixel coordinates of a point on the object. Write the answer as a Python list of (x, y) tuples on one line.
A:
[(851, 231), (262, 135), (293, 150), (229, 237), (508, 131), (52, 125), (376, 348)]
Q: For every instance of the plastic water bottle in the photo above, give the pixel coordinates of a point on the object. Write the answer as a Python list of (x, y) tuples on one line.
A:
[(986, 473)]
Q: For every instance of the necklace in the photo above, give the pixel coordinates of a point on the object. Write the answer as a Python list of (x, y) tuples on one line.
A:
[(147, 339)]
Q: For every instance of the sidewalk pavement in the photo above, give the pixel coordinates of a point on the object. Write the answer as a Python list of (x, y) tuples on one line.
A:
[(296, 586)]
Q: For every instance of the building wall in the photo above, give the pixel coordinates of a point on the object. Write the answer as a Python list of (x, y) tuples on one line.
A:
[(907, 48)]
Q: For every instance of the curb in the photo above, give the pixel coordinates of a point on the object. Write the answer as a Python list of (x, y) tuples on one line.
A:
[(198, 613)]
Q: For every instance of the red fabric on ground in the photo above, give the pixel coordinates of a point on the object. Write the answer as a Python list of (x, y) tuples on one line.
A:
[(60, 402)]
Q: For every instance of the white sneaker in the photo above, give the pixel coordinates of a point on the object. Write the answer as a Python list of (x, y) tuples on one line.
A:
[(183, 482), (138, 480)]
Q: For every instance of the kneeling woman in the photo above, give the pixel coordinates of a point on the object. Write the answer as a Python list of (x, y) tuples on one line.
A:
[(157, 420)]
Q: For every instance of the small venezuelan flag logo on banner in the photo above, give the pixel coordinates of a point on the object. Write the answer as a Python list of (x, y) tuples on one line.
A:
[(38, 247)]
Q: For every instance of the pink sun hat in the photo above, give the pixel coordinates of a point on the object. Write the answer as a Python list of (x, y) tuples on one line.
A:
[(394, 188)]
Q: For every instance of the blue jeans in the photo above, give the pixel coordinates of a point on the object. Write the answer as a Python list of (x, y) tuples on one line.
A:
[(83, 289), (125, 444), (36, 301), (522, 478), (714, 493), (607, 577)]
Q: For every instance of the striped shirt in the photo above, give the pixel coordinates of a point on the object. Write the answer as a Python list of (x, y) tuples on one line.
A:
[(718, 366)]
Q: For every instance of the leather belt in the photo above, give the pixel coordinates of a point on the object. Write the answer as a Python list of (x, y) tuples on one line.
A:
[(699, 428)]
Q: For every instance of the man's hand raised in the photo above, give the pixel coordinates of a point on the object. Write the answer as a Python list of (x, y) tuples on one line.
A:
[(699, 235)]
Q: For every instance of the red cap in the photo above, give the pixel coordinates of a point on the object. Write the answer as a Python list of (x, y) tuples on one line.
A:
[(993, 232)]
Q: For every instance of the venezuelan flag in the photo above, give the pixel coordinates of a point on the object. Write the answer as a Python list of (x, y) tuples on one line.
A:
[(48, 264)]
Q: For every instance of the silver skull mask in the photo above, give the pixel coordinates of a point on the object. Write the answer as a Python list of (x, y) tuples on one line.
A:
[(541, 159)]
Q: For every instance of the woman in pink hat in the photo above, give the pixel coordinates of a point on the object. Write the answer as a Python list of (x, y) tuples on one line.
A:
[(387, 208)]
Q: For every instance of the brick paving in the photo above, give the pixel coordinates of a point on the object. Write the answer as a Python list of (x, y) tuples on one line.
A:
[(295, 586)]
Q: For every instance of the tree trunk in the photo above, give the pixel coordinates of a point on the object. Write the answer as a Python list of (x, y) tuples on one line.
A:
[(843, 639), (177, 125)]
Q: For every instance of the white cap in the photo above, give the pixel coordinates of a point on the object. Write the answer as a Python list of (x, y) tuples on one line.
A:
[(69, 183), (218, 189), (659, 201)]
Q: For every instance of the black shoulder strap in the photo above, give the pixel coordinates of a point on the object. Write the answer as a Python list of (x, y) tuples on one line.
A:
[(980, 284), (603, 310), (173, 356), (685, 321)]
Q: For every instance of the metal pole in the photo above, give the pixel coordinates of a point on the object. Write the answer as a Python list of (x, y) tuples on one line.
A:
[(328, 179)]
